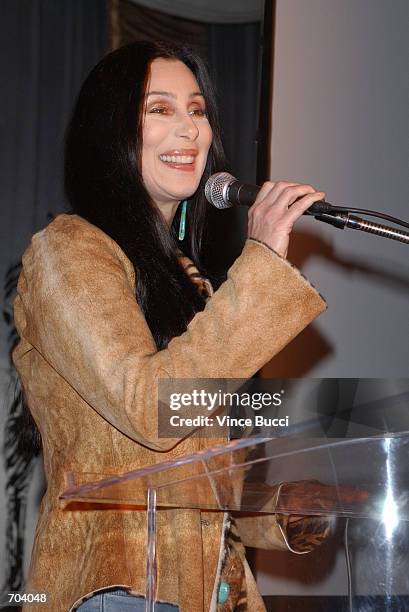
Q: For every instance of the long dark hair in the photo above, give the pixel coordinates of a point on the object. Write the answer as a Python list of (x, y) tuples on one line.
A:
[(103, 181)]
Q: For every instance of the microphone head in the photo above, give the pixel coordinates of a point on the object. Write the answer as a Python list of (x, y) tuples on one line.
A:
[(216, 189)]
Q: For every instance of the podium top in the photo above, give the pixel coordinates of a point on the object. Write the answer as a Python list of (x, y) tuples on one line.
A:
[(363, 477)]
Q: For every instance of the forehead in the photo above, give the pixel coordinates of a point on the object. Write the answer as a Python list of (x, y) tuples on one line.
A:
[(172, 76)]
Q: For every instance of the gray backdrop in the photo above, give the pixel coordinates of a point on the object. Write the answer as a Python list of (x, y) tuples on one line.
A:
[(340, 122)]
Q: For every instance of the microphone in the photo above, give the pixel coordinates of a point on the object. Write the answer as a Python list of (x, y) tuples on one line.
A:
[(224, 191)]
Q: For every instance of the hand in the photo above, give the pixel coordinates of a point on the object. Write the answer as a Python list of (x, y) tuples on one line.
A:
[(304, 533), (314, 496), (277, 207)]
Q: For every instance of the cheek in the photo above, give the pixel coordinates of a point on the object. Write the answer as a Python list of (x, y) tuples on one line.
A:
[(148, 142), (207, 138), (152, 137)]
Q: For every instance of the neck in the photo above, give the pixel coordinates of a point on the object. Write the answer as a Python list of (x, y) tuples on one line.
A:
[(168, 211)]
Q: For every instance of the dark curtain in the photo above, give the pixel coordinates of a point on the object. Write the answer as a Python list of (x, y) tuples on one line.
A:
[(234, 57), (46, 49), (233, 53)]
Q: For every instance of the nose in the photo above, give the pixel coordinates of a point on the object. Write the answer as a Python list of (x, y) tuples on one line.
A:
[(187, 127)]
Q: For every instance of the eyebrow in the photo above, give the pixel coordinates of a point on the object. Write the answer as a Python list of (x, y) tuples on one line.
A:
[(172, 95)]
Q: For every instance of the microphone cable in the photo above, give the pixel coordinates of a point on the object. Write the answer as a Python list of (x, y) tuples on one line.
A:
[(362, 211)]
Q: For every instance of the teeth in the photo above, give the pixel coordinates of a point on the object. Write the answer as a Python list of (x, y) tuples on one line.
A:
[(177, 159)]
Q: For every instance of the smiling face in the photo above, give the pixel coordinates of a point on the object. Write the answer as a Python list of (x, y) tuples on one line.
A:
[(176, 135)]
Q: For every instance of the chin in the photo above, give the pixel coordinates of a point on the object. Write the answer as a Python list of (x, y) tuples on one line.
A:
[(185, 193)]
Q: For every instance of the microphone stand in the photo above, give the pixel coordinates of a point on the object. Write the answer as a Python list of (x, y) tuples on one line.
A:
[(343, 220)]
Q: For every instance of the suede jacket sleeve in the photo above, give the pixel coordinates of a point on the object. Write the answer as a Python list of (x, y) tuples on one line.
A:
[(76, 306), (298, 534)]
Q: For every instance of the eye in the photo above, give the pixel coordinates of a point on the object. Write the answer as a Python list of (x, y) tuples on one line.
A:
[(198, 112), (160, 110)]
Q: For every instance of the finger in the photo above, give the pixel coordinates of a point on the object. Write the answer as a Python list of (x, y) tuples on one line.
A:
[(265, 189), (293, 193), (271, 190), (300, 206), (344, 494), (352, 495)]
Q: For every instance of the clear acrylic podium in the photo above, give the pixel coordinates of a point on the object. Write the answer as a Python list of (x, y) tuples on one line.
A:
[(244, 476)]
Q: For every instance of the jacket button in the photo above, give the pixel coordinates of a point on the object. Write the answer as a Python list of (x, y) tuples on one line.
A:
[(224, 590)]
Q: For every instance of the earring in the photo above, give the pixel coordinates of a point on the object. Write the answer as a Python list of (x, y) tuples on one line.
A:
[(182, 223)]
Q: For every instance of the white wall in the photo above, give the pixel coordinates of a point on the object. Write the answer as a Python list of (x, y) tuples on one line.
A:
[(340, 122)]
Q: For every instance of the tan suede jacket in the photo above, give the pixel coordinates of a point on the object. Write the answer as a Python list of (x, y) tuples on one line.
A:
[(89, 368)]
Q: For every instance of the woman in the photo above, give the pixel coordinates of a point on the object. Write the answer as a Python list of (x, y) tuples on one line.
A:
[(106, 307)]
